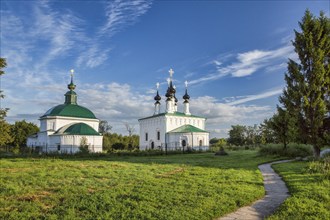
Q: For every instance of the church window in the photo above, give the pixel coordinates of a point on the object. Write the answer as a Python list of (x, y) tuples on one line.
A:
[(200, 143), (158, 135), (146, 136), (58, 147)]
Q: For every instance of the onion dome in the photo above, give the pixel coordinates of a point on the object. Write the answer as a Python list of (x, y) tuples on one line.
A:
[(157, 97), (171, 88), (71, 86), (186, 96)]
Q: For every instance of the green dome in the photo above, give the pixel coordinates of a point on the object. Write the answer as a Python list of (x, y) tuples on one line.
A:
[(77, 129), (70, 110)]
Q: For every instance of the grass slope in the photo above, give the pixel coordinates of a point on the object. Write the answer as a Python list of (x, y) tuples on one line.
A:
[(310, 192), (190, 186)]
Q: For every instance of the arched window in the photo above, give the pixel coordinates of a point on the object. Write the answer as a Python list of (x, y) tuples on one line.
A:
[(152, 145)]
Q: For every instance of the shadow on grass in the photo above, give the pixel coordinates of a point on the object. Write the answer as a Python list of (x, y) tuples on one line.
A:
[(243, 159)]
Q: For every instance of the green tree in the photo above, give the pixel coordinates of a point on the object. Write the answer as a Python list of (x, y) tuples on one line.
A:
[(283, 127), (5, 133), (20, 132), (251, 135), (104, 127), (237, 135), (267, 132), (214, 140), (306, 96), (3, 111)]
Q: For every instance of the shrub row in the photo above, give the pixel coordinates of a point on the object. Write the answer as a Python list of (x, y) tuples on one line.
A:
[(292, 150)]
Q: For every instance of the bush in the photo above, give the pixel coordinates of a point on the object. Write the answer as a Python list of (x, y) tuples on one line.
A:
[(321, 166), (221, 152), (292, 150)]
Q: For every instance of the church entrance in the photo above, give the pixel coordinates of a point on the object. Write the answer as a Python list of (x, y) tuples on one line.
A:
[(183, 143), (152, 145)]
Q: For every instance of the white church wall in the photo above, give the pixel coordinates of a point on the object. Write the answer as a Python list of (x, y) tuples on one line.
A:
[(152, 126), (174, 122), (40, 140), (71, 143)]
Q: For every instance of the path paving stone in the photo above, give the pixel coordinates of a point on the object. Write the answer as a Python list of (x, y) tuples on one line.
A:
[(276, 193)]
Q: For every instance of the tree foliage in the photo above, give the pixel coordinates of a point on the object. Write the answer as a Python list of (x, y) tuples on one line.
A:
[(306, 96), (117, 141), (20, 132), (104, 127), (5, 134), (3, 111), (283, 127), (245, 135)]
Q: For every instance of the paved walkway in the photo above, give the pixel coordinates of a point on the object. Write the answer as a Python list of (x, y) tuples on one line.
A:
[(276, 193)]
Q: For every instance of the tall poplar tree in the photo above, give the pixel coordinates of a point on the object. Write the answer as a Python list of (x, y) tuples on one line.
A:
[(306, 96)]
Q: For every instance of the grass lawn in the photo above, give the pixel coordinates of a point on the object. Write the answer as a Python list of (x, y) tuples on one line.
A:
[(310, 192), (185, 186)]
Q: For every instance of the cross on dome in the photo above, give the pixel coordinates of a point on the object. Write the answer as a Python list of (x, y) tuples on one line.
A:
[(71, 86), (171, 72), (157, 85), (186, 83)]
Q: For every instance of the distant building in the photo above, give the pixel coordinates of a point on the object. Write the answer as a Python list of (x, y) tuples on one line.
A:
[(64, 128), (173, 130)]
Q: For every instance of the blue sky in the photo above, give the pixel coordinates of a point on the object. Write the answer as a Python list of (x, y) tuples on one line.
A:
[(232, 53)]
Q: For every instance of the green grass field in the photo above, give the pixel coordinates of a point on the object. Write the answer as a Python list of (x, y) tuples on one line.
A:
[(310, 191), (185, 186)]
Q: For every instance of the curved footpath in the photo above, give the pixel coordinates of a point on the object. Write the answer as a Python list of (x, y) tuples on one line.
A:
[(276, 193)]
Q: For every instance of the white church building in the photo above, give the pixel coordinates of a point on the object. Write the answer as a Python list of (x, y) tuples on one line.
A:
[(173, 130), (64, 128)]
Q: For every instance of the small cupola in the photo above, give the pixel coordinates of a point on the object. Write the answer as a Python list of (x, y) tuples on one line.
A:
[(157, 98), (71, 96), (186, 98)]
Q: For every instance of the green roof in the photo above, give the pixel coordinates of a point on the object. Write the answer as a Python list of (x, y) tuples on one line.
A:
[(70, 110), (180, 114), (188, 129), (76, 129)]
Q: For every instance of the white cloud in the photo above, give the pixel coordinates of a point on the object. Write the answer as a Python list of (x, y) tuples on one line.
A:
[(256, 97), (121, 13), (248, 63)]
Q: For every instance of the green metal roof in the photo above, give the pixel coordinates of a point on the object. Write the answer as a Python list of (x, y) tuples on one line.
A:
[(180, 114), (187, 129), (76, 129), (70, 110)]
